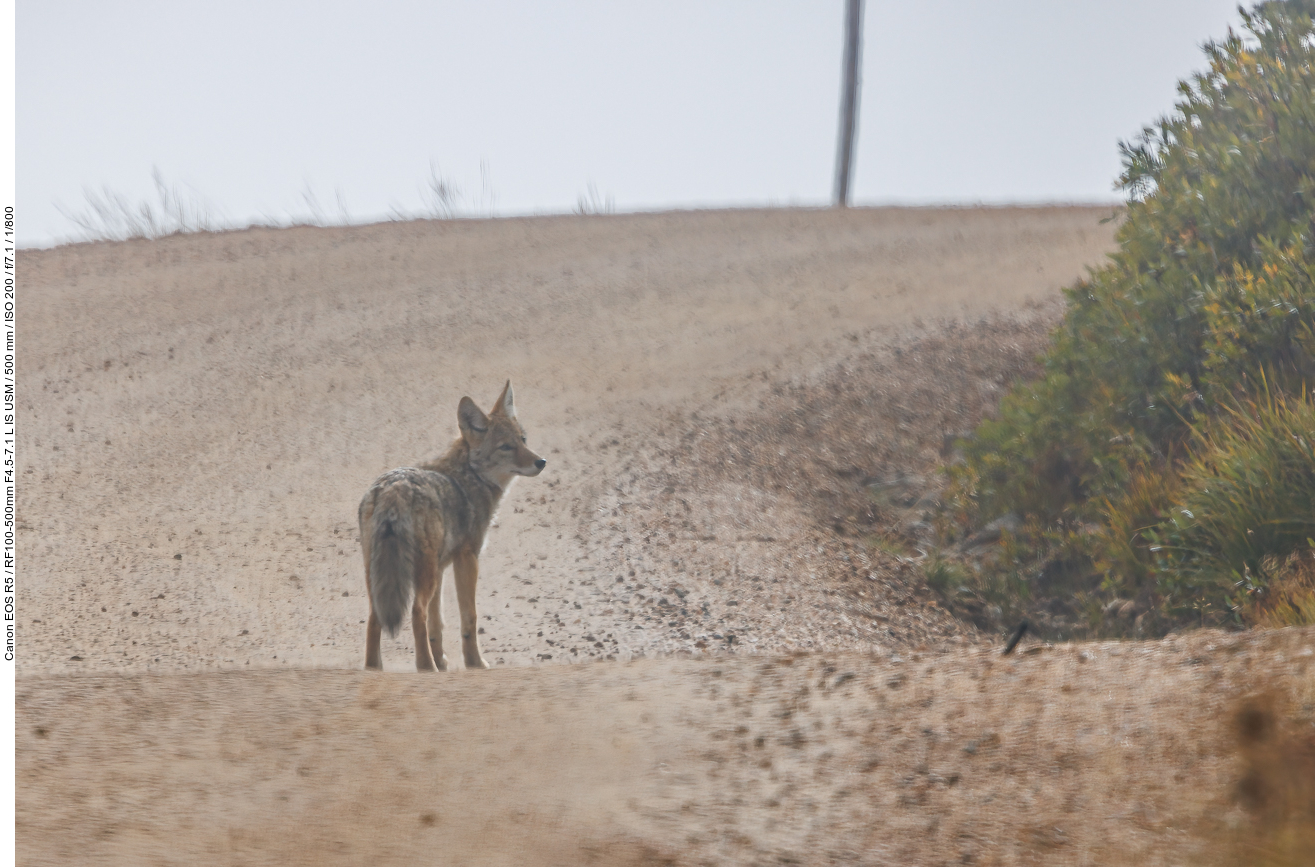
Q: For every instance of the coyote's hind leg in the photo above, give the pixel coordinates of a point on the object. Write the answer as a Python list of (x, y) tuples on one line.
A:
[(436, 625), (426, 583), (373, 659)]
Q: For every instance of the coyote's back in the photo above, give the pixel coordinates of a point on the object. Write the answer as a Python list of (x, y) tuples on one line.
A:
[(415, 521)]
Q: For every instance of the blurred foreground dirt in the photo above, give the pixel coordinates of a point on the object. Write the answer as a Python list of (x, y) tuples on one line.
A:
[(1103, 753)]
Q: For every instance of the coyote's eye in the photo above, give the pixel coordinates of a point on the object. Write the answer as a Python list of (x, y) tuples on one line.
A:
[(523, 439), (507, 448)]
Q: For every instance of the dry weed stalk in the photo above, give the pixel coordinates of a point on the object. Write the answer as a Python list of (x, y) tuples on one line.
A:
[(111, 216), (1289, 597)]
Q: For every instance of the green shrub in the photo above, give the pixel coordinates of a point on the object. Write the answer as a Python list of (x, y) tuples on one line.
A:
[(1210, 294), (1248, 497), (944, 575)]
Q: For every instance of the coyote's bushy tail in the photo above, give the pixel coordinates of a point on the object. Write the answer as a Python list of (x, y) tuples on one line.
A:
[(392, 565)]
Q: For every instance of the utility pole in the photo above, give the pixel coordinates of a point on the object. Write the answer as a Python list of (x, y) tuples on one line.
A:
[(849, 100)]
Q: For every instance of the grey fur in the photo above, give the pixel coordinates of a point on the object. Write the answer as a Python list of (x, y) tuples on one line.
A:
[(392, 565)]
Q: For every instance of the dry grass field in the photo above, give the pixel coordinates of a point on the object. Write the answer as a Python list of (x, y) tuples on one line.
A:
[(711, 641)]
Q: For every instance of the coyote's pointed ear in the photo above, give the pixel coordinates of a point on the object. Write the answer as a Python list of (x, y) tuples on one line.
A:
[(471, 419), (506, 402)]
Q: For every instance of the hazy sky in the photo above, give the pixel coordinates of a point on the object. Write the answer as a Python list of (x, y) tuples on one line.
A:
[(260, 108)]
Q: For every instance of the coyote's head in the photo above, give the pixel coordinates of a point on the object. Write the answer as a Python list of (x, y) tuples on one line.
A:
[(497, 441)]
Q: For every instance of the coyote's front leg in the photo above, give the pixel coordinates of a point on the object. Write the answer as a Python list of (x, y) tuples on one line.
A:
[(465, 568)]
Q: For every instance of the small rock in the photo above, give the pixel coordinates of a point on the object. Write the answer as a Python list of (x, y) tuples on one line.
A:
[(1116, 607), (1006, 523)]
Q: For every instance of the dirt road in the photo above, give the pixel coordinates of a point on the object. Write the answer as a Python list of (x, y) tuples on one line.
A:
[(200, 416)]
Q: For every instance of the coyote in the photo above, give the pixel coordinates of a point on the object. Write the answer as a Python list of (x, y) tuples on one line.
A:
[(417, 520)]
